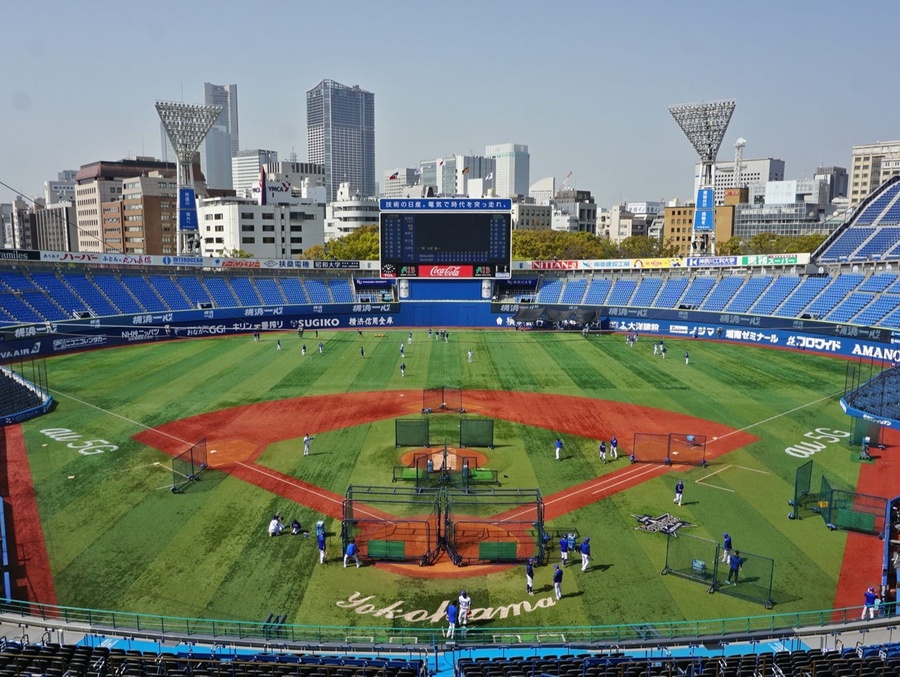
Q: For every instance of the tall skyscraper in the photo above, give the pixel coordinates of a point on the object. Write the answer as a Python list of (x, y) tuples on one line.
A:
[(340, 123), (513, 174), (222, 142)]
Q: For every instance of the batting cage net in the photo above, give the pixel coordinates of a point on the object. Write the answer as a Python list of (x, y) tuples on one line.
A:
[(691, 557), (669, 448), (853, 511), (446, 467), (803, 500), (442, 398), (188, 466), (411, 534), (494, 525), (478, 432), (411, 432), (749, 578)]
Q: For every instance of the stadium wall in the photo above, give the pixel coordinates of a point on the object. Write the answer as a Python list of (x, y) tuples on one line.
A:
[(71, 335)]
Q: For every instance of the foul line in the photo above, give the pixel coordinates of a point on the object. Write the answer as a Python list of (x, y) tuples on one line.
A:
[(306, 487), (112, 413), (772, 418)]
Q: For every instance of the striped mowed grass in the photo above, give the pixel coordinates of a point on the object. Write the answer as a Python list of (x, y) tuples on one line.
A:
[(118, 539)]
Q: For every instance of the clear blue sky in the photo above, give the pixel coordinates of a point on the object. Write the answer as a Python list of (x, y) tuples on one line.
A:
[(585, 84)]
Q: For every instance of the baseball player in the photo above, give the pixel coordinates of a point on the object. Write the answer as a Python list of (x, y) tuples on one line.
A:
[(871, 597), (307, 440), (564, 550), (679, 492), (465, 607), (352, 553), (726, 547), (585, 553), (557, 582), (320, 541), (614, 448), (558, 445), (529, 577), (452, 615)]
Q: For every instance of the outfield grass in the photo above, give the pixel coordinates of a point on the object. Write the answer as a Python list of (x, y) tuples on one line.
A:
[(118, 539)]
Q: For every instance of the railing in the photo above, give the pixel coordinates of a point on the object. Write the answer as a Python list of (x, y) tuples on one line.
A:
[(659, 633)]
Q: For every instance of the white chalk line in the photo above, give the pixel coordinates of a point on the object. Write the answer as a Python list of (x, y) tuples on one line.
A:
[(776, 416), (114, 414), (713, 486)]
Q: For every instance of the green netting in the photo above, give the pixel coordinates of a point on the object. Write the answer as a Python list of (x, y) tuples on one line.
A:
[(823, 505), (476, 432), (411, 432), (802, 485), (691, 557), (857, 512)]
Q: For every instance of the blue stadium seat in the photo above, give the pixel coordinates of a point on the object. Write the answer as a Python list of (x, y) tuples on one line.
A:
[(672, 290), (574, 290), (317, 290), (144, 293), (748, 294), (60, 292), (245, 291), (874, 313), (550, 291), (646, 291), (775, 295), (849, 307), (170, 292), (621, 292), (802, 295), (341, 291), (697, 291), (90, 293), (878, 245), (293, 291), (846, 243), (14, 281), (193, 290), (878, 282), (117, 293), (597, 291), (722, 293), (221, 292), (44, 305), (269, 291), (18, 309)]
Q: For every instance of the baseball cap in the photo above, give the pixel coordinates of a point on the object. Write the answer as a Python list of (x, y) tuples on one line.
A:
[(725, 535)]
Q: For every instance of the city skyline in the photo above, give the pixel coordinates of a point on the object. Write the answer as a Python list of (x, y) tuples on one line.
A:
[(587, 89)]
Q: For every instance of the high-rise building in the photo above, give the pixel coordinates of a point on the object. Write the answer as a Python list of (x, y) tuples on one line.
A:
[(513, 167), (752, 171), (837, 180), (222, 141), (340, 124), (61, 190), (55, 227), (245, 167), (870, 166)]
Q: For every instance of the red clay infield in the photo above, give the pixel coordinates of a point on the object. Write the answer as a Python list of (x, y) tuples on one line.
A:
[(240, 434)]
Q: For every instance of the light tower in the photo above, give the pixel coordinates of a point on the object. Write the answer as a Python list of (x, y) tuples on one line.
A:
[(704, 125), (187, 124), (738, 160)]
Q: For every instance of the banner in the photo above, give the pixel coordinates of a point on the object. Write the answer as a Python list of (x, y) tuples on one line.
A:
[(187, 209)]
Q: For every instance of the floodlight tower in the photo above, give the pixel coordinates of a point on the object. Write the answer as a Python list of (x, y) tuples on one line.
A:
[(738, 160), (187, 124), (704, 125)]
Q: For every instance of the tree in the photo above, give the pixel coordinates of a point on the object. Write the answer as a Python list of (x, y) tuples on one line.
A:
[(314, 253), (733, 246), (639, 247), (360, 245), (236, 254)]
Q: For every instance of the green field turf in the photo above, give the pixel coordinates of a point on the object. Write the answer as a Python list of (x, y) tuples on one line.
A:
[(119, 539)]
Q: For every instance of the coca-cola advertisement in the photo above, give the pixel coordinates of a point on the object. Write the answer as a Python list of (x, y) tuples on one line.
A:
[(445, 271)]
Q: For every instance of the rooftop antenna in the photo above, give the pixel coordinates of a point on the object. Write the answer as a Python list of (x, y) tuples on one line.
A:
[(738, 160), (704, 125)]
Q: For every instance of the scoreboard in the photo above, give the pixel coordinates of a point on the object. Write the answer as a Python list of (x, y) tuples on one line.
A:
[(445, 238)]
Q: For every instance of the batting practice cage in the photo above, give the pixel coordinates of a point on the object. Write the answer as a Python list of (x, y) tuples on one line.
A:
[(476, 432), (411, 432), (442, 398), (804, 499), (843, 509), (700, 559), (494, 525), (188, 466), (669, 448), (411, 534), (445, 467)]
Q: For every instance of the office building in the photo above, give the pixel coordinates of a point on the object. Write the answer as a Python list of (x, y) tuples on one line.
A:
[(543, 190), (61, 190), (870, 166), (678, 226), (341, 136), (276, 231), (396, 181), (531, 216), (581, 205), (454, 173), (144, 219), (55, 228), (348, 212), (513, 166), (245, 168), (222, 141), (752, 171), (837, 180)]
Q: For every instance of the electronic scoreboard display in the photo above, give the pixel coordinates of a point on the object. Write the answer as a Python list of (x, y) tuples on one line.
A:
[(441, 243)]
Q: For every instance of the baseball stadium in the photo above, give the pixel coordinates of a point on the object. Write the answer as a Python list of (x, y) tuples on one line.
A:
[(154, 421)]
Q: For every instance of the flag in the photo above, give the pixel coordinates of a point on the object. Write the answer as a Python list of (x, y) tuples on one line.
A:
[(395, 175), (418, 171), (489, 177), (440, 162), (466, 170)]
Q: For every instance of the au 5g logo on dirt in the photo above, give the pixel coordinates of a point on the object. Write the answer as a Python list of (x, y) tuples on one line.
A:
[(77, 442)]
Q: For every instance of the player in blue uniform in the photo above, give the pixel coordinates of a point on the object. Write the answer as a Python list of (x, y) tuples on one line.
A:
[(679, 492), (735, 564), (452, 615), (529, 577), (564, 550), (871, 597), (726, 547), (585, 553), (320, 542), (557, 582), (352, 552)]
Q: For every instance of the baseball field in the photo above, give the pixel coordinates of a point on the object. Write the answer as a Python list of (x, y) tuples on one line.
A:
[(102, 529)]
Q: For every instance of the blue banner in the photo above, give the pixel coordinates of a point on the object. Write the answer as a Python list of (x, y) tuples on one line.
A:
[(704, 220), (706, 198), (446, 204), (187, 209)]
